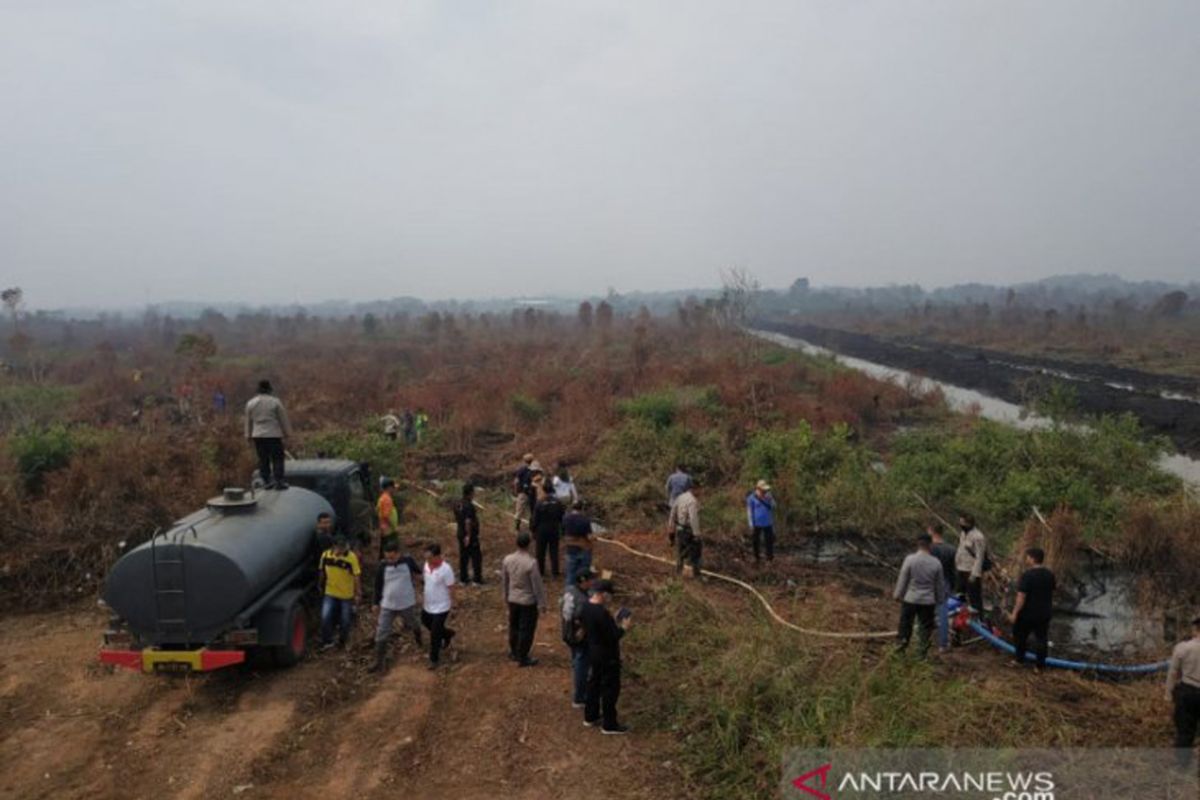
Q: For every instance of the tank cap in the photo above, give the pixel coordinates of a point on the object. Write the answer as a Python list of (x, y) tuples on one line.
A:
[(233, 498)]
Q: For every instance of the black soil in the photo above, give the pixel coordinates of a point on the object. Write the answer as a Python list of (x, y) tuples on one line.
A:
[(1019, 378)]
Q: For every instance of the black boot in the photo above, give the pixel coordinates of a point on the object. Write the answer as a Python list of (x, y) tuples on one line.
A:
[(380, 657)]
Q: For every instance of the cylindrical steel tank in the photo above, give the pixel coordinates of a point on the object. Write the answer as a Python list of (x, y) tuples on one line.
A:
[(187, 586)]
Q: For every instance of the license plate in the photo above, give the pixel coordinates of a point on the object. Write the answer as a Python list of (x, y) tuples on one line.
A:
[(172, 666)]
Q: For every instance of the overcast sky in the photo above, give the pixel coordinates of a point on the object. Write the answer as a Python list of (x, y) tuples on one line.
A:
[(299, 151)]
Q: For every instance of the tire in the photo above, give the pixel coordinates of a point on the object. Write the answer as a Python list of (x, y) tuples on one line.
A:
[(293, 652)]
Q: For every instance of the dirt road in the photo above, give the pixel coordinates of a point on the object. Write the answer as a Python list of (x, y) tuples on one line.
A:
[(480, 727)]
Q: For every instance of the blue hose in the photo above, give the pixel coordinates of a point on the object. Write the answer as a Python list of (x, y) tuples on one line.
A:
[(953, 604)]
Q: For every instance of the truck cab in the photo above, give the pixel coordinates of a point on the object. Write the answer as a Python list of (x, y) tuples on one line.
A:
[(346, 485)]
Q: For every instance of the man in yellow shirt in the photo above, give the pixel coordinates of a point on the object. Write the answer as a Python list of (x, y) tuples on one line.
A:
[(341, 584)]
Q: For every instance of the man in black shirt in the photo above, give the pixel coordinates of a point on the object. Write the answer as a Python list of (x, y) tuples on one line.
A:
[(1035, 602), (603, 635), (469, 551), (547, 525), (945, 553)]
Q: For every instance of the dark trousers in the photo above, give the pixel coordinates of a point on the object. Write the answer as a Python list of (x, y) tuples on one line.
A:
[(547, 543), (470, 555), (439, 634), (971, 589), (1187, 719), (522, 623), (1022, 628), (603, 691), (687, 548), (270, 459), (764, 536), (923, 614)]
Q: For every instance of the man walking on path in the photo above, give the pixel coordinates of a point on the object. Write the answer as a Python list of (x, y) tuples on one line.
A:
[(577, 536), (603, 636), (1183, 687), (470, 553), (341, 588), (1034, 607), (683, 528), (920, 587), (574, 599), (394, 597), (969, 561), (267, 425), (547, 524), (522, 490), (439, 598), (391, 425), (678, 483), (760, 513), (944, 553), (526, 596)]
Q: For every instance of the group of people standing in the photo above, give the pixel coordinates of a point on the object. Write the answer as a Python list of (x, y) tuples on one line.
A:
[(408, 425)]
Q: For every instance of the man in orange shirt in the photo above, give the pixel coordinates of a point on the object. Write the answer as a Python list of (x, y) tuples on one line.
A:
[(386, 512)]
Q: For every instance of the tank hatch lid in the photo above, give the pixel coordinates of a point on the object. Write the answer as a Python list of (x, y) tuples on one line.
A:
[(233, 499)]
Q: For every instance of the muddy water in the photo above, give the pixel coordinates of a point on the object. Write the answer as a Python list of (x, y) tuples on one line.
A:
[(1100, 616), (965, 400)]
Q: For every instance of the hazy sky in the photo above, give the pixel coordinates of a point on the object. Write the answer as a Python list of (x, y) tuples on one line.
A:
[(298, 151)]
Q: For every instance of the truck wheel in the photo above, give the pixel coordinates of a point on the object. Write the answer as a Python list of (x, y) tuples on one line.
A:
[(290, 654)]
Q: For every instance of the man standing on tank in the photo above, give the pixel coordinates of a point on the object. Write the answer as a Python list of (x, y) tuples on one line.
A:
[(267, 425)]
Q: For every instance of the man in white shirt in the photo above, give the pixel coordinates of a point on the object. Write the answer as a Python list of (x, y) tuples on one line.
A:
[(439, 598)]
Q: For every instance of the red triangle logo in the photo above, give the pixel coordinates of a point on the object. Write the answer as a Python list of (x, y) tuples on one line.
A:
[(801, 783)]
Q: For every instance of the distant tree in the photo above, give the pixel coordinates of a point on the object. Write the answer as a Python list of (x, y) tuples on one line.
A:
[(799, 287), (197, 348), (370, 325), (604, 315), (1171, 304), (12, 298), (585, 315), (737, 296)]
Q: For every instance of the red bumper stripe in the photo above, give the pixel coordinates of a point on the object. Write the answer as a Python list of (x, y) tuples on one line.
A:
[(130, 659), (216, 659)]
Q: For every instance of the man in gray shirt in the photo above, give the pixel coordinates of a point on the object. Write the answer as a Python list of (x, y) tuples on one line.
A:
[(1183, 687), (526, 595), (920, 587), (394, 597), (267, 425)]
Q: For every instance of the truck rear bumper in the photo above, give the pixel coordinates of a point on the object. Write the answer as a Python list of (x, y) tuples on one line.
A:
[(152, 660)]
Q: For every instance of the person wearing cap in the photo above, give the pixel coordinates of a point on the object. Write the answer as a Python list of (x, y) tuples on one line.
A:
[(1183, 688), (470, 553), (340, 582), (683, 528), (267, 425), (574, 598), (394, 597), (603, 636), (522, 485), (525, 595), (760, 513), (919, 588), (386, 511)]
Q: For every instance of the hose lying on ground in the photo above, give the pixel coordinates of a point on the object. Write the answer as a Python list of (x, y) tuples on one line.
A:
[(1061, 663)]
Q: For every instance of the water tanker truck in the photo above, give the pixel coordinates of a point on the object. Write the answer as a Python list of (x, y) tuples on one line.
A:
[(233, 578)]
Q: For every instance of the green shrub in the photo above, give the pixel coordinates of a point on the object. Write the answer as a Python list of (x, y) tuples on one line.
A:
[(25, 404), (528, 409), (385, 456), (39, 451), (656, 408)]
